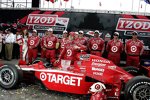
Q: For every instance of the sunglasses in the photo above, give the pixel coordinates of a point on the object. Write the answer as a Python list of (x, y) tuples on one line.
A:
[(134, 34), (115, 35)]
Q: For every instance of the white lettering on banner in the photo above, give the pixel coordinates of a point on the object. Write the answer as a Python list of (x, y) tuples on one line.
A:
[(125, 24), (97, 64), (41, 19), (61, 79), (102, 61), (98, 69)]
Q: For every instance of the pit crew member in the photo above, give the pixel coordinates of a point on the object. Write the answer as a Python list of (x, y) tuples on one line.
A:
[(33, 42), (134, 48), (96, 44), (114, 48), (50, 44)]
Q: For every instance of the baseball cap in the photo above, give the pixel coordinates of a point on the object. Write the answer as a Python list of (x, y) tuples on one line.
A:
[(65, 32), (81, 32), (76, 33), (134, 33), (96, 31), (34, 31), (116, 33), (50, 30)]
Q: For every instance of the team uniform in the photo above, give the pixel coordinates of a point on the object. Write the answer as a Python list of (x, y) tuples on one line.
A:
[(133, 50), (114, 49), (96, 45), (50, 45), (63, 42), (69, 52), (43, 49), (33, 42)]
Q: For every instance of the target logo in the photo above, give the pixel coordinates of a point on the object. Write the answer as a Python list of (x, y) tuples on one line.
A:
[(32, 42), (114, 49), (97, 86), (133, 48), (69, 52), (50, 43), (43, 76), (94, 46)]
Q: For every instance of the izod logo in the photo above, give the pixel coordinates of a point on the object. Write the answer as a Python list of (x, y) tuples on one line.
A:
[(126, 24)]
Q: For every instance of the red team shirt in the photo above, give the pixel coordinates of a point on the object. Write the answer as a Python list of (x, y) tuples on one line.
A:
[(69, 52), (115, 47), (33, 41), (134, 47), (83, 41), (50, 42), (63, 42), (42, 41), (96, 44)]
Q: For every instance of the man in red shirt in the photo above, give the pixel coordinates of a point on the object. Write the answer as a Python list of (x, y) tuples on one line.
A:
[(50, 44), (70, 50), (33, 42), (114, 48), (96, 44), (134, 48), (43, 49), (63, 41)]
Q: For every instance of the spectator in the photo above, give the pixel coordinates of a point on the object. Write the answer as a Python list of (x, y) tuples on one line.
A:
[(16, 47), (134, 48), (33, 42), (9, 40), (96, 44), (23, 45), (114, 48)]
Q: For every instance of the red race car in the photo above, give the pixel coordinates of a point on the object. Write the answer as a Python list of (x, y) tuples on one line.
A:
[(90, 74)]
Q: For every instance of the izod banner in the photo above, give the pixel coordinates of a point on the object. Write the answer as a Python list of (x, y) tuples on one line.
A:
[(46, 21)]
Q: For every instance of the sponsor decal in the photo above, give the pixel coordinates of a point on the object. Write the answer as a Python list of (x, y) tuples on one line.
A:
[(97, 64), (94, 46), (46, 21), (114, 49), (126, 24), (32, 42), (133, 48), (85, 56), (98, 69), (102, 61), (61, 79), (140, 34), (41, 19), (69, 52), (112, 67)]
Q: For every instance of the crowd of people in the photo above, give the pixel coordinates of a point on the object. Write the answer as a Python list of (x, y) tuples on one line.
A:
[(71, 43)]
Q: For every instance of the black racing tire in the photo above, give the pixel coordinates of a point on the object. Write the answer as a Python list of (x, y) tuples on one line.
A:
[(132, 70), (46, 63), (10, 76), (138, 88)]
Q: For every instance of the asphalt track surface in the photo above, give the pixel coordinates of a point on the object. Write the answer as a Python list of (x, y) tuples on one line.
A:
[(35, 92)]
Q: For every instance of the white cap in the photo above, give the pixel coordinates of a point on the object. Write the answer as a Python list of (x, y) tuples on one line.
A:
[(96, 31), (76, 33), (81, 31), (34, 31), (50, 30), (65, 31), (116, 33)]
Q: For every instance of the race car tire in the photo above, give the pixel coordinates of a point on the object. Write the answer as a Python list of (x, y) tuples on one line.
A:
[(132, 70), (10, 76), (46, 63), (138, 88)]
